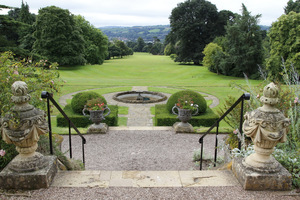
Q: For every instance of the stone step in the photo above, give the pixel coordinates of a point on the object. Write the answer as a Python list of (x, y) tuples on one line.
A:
[(144, 179)]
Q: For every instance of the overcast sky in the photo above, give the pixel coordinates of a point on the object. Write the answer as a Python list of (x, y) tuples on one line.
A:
[(147, 12)]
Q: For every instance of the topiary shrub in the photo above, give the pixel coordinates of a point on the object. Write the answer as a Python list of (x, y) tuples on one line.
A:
[(80, 99), (196, 97)]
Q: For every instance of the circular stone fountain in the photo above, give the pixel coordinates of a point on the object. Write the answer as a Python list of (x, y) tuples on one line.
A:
[(139, 97)]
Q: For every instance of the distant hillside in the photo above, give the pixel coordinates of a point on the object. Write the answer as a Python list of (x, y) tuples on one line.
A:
[(145, 32), (133, 33)]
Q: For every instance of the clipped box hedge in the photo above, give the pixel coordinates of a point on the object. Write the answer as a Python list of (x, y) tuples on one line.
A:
[(164, 118), (83, 121)]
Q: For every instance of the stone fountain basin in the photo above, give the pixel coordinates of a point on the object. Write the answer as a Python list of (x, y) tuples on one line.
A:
[(131, 97)]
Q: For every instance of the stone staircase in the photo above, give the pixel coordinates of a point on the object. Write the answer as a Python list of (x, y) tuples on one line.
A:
[(144, 179)]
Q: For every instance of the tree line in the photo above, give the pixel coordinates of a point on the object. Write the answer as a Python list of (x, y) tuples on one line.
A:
[(55, 35), (232, 44)]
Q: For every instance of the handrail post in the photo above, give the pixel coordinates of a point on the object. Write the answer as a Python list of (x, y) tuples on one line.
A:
[(70, 142), (46, 95), (201, 153), (83, 157), (241, 123), (216, 145)]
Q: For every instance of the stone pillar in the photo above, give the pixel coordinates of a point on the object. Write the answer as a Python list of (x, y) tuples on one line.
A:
[(266, 126), (22, 127)]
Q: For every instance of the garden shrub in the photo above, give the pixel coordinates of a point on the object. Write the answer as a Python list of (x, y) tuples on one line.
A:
[(164, 118), (196, 97), (80, 120), (80, 99)]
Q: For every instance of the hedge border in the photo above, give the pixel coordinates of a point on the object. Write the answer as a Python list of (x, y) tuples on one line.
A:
[(164, 118), (83, 121)]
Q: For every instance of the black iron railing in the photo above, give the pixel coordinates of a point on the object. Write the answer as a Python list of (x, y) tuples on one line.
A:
[(50, 98), (245, 96)]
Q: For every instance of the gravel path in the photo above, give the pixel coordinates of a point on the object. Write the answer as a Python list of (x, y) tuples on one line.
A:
[(191, 193), (140, 150)]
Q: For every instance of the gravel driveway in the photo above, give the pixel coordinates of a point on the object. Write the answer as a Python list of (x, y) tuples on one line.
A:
[(140, 150)]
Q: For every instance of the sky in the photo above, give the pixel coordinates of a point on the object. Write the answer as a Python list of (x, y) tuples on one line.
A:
[(102, 13)]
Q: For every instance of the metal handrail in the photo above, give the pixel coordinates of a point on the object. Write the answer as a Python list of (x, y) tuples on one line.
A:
[(245, 96), (50, 98)]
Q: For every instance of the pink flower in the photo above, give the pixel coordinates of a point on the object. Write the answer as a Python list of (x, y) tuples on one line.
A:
[(296, 100), (16, 72), (236, 131), (52, 82), (2, 152), (257, 96)]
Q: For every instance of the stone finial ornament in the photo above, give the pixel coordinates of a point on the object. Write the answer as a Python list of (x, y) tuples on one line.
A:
[(22, 127), (266, 126)]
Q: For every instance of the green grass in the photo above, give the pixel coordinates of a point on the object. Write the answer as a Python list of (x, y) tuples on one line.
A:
[(152, 110), (122, 121), (143, 69), (159, 73), (123, 110)]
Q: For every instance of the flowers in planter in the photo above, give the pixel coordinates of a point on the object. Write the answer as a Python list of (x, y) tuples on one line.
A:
[(95, 104), (186, 102)]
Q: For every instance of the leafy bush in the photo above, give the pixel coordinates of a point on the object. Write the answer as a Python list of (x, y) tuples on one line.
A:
[(39, 76), (80, 120), (80, 99), (196, 97), (164, 118)]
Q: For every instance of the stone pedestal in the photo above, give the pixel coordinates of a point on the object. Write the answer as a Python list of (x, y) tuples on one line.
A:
[(181, 127), (29, 180), (101, 128), (256, 180)]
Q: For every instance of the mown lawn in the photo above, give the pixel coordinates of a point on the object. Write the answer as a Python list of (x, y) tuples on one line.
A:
[(143, 69)]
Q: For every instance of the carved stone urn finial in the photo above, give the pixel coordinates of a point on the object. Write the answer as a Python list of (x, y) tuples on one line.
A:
[(22, 127), (266, 126)]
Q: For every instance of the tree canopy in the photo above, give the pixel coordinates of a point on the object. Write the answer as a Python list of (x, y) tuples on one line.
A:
[(284, 41), (193, 24), (292, 6), (241, 51), (57, 36)]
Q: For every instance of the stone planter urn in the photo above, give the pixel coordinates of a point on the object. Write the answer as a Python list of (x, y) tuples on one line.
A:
[(266, 126), (96, 116), (22, 127), (184, 115)]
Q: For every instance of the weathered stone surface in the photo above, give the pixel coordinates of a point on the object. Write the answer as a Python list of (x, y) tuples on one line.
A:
[(98, 128), (181, 127), (266, 126), (253, 180), (31, 180)]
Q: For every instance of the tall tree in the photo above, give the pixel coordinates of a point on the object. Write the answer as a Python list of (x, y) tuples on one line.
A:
[(284, 41), (140, 45), (25, 16), (193, 24), (58, 38), (95, 42), (243, 45), (292, 6)]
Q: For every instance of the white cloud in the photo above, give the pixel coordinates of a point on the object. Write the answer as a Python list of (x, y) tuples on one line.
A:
[(148, 12)]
